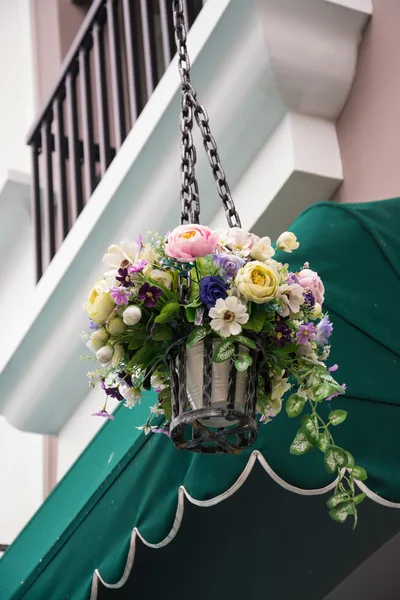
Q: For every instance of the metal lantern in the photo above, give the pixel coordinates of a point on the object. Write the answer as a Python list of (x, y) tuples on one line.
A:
[(213, 405)]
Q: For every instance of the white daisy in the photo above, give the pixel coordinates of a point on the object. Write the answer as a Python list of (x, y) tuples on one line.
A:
[(228, 316)]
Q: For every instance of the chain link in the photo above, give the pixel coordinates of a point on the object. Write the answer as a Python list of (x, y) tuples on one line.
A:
[(190, 107)]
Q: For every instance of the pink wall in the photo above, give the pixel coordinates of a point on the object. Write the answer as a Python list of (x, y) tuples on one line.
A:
[(369, 126)]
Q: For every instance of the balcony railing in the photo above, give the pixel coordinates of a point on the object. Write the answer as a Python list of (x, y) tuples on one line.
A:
[(115, 62)]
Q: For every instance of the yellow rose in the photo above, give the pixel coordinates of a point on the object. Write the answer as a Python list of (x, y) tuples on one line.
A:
[(99, 306), (257, 282)]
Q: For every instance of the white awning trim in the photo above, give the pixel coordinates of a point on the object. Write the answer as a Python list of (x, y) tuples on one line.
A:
[(182, 493)]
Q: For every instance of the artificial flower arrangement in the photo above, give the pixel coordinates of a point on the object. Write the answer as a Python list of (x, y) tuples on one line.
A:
[(246, 298)]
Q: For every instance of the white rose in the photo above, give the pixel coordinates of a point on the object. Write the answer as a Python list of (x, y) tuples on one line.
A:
[(287, 242), (161, 277), (104, 355), (262, 250), (99, 338), (132, 315)]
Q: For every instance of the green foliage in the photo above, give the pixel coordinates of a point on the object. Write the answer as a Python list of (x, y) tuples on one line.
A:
[(309, 426), (300, 444), (163, 333), (196, 336), (335, 458), (359, 473), (224, 351), (295, 405), (256, 320), (246, 341), (168, 313), (337, 416), (243, 361)]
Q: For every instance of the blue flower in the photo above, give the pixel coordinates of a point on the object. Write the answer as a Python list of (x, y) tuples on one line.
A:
[(212, 287), (324, 331), (228, 265)]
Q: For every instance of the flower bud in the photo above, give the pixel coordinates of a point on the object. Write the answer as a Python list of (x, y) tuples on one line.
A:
[(115, 326), (287, 242), (132, 315), (316, 312), (99, 338), (104, 355), (99, 306)]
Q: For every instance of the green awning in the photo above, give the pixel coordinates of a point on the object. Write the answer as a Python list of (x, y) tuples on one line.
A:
[(125, 480)]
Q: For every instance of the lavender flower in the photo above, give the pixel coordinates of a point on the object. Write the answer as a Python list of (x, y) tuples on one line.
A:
[(306, 333), (103, 413), (333, 368), (138, 267), (292, 278), (93, 325), (323, 331), (329, 398), (228, 265), (140, 241), (283, 335), (149, 295), (120, 294)]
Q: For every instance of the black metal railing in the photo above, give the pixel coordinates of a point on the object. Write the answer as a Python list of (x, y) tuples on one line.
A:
[(119, 55)]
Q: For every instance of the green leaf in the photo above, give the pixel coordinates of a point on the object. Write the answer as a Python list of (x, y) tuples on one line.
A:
[(294, 405), (137, 339), (337, 416), (168, 313), (224, 351), (145, 355), (342, 511), (323, 441), (350, 460), (359, 473), (190, 313), (256, 321), (309, 425), (338, 499), (300, 444), (196, 335), (243, 361), (163, 333), (242, 339), (359, 498), (335, 458)]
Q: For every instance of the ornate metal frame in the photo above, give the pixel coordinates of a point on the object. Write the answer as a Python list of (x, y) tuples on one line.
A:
[(186, 430)]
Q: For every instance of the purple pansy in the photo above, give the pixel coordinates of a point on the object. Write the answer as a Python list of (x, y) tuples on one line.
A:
[(212, 288), (124, 278), (306, 333), (323, 331), (283, 335), (228, 265), (309, 299), (120, 294), (138, 267), (112, 392), (103, 413), (149, 295)]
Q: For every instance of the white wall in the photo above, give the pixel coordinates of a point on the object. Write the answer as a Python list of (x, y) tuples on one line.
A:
[(17, 108), (21, 481)]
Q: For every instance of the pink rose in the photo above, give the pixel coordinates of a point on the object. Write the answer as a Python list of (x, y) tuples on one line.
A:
[(239, 240), (188, 242), (311, 280)]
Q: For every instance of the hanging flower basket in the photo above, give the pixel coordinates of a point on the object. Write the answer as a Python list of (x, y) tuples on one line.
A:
[(218, 327)]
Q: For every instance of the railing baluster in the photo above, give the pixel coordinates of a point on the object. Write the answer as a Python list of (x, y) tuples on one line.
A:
[(48, 203), (116, 74), (132, 53), (36, 209), (150, 62), (73, 147), (165, 32), (61, 158), (101, 95), (87, 121)]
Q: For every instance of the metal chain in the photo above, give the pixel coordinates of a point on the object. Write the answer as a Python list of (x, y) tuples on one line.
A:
[(190, 204)]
